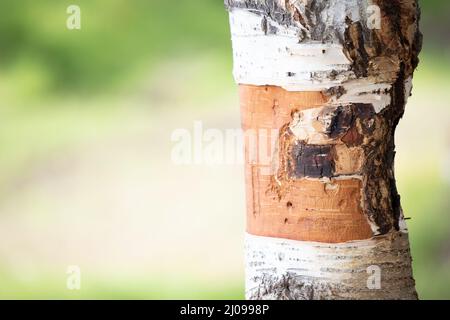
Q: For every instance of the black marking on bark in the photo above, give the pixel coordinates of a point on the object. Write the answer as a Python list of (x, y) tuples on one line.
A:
[(313, 161), (341, 122), (344, 123)]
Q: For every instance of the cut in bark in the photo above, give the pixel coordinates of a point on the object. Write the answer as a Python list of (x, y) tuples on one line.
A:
[(331, 78)]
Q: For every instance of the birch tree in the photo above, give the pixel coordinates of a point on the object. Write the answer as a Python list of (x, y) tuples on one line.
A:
[(331, 78)]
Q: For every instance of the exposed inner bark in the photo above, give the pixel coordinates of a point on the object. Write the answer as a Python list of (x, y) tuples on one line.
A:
[(386, 55), (309, 190)]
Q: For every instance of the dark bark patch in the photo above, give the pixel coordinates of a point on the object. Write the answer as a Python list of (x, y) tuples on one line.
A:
[(353, 138), (313, 161), (373, 50), (341, 122), (355, 48), (337, 92), (351, 123), (382, 201)]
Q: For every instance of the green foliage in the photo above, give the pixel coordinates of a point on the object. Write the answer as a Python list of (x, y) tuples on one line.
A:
[(117, 37)]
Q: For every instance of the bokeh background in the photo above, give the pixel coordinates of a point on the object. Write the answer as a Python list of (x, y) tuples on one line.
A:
[(86, 176)]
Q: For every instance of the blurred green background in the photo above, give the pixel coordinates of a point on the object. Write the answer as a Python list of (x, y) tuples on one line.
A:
[(86, 176)]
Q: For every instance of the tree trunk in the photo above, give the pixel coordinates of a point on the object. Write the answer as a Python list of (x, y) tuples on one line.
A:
[(323, 85)]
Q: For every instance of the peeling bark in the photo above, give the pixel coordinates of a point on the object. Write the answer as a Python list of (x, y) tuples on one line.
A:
[(335, 89)]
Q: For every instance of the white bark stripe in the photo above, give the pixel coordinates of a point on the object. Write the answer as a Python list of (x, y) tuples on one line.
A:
[(279, 59), (285, 269), (364, 90)]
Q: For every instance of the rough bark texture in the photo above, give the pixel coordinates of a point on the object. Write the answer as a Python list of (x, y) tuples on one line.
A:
[(334, 88), (290, 270)]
